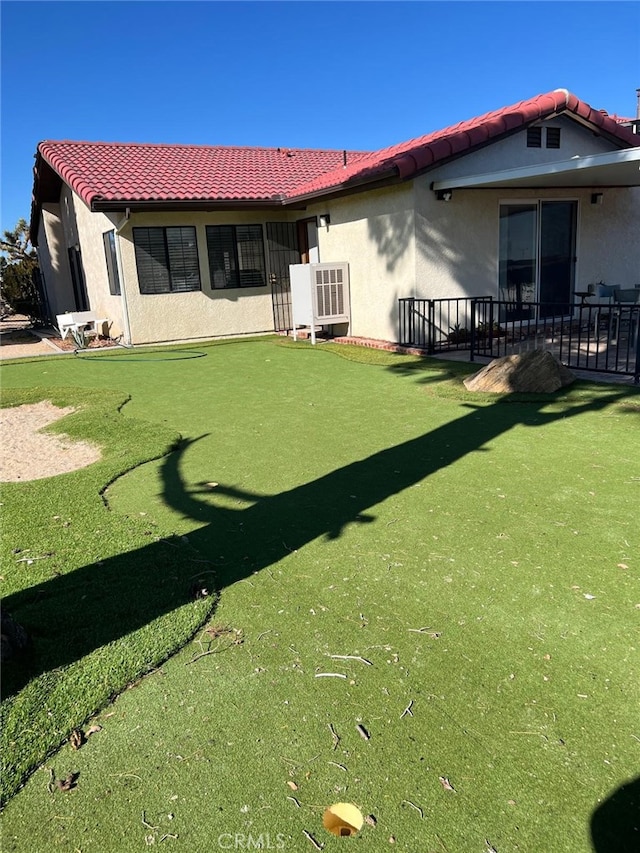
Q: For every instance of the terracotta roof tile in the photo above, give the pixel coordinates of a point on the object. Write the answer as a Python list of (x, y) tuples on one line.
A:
[(103, 171), (417, 154), (114, 171)]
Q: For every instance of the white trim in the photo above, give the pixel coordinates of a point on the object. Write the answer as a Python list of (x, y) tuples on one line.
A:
[(614, 168)]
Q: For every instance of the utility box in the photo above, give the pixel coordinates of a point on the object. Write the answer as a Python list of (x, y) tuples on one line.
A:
[(319, 295)]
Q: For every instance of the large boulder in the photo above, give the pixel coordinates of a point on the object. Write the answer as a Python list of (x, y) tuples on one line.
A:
[(537, 371)]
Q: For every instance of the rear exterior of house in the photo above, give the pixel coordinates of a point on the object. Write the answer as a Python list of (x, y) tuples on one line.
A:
[(531, 203)]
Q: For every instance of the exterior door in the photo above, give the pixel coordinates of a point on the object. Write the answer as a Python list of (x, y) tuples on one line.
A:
[(537, 258), (557, 257), (288, 243), (284, 249)]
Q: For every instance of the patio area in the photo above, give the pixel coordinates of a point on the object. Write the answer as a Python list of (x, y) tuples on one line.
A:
[(599, 338)]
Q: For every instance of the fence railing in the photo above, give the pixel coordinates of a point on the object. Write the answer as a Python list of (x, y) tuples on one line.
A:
[(602, 337)]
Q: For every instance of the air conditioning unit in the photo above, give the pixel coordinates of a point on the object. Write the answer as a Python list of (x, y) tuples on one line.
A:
[(319, 295)]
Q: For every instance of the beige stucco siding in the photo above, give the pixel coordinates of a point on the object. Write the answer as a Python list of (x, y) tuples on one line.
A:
[(207, 313), (609, 245), (52, 256), (90, 228), (457, 250), (374, 232), (456, 244)]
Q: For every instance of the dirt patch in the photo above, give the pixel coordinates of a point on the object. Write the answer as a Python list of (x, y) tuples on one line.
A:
[(18, 340), (18, 343), (28, 454)]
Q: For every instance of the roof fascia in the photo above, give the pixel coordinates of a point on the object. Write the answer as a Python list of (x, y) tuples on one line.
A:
[(518, 177), (151, 205), (382, 179), (596, 129), (46, 182)]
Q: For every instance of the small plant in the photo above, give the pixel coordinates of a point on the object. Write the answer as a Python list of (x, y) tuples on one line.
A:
[(458, 334), (487, 329), (79, 338)]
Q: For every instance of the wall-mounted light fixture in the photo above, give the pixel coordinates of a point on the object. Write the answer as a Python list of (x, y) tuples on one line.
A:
[(596, 198), (444, 195), (324, 220)]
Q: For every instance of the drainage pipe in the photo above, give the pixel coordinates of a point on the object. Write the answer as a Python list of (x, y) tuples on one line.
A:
[(123, 288)]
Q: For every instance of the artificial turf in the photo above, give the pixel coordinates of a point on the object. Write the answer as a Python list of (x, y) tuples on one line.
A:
[(472, 563)]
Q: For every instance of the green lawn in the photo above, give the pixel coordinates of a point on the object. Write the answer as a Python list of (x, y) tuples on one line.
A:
[(454, 573)]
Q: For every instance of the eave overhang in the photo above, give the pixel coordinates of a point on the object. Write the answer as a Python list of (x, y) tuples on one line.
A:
[(611, 169)]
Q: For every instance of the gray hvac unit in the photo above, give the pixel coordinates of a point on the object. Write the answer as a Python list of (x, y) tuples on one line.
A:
[(319, 295)]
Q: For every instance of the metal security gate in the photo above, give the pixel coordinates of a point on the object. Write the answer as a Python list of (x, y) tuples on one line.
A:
[(284, 249)]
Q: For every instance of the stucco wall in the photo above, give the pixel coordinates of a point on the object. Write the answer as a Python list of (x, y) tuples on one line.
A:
[(375, 232), (89, 228), (207, 313), (457, 242), (52, 256), (609, 247)]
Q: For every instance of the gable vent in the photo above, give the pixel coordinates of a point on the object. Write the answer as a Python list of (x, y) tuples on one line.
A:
[(553, 137), (534, 137)]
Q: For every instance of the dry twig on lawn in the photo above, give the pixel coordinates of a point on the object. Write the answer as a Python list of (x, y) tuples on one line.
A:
[(414, 806), (351, 657), (315, 843), (433, 634), (407, 710), (335, 736), (148, 825)]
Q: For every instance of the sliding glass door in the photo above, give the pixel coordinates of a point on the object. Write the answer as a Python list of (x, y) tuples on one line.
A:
[(537, 258)]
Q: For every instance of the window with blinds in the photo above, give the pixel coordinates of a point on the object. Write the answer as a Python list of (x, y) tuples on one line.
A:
[(167, 259), (236, 256)]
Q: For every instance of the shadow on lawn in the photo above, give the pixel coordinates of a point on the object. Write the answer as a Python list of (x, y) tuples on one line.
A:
[(71, 615), (615, 824)]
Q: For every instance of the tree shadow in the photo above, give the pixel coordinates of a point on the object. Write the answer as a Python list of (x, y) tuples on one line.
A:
[(71, 615), (615, 824)]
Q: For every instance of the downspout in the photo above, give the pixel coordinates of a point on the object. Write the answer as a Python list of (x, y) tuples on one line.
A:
[(123, 288)]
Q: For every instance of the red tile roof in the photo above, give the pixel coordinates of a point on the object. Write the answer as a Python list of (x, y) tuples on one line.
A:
[(103, 172), (416, 155), (143, 172)]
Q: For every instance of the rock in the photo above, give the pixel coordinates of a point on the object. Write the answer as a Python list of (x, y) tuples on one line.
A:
[(537, 371), (14, 637)]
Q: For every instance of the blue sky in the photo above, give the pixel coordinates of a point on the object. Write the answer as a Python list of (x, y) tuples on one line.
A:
[(333, 74)]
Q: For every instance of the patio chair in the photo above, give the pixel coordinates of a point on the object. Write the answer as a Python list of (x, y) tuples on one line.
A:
[(625, 300), (604, 295)]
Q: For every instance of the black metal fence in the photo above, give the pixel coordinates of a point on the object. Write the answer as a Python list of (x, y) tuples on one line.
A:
[(602, 337)]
